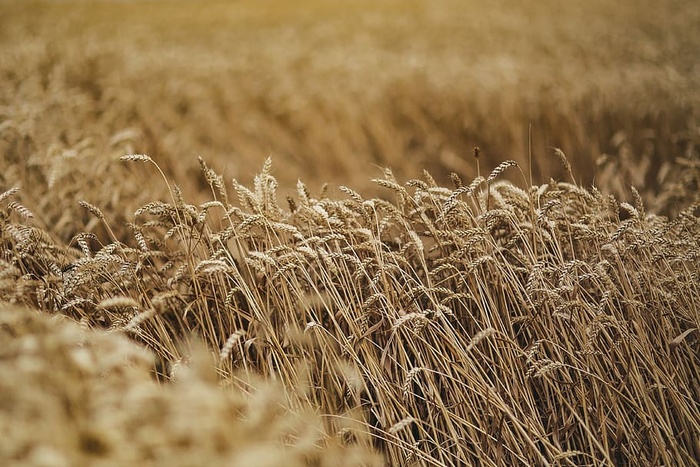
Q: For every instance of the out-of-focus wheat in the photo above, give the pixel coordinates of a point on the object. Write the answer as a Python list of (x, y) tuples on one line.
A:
[(599, 79), (82, 397)]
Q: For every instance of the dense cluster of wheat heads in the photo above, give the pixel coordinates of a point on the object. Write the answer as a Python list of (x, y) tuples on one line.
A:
[(483, 323)]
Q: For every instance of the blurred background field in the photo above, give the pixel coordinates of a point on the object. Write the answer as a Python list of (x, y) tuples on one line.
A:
[(335, 91)]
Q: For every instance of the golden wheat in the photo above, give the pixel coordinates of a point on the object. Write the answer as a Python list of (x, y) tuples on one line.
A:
[(454, 320), (497, 320)]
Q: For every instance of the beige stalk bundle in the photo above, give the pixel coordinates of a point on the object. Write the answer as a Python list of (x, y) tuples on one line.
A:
[(492, 324)]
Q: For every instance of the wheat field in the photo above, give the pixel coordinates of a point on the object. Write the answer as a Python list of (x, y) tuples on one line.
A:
[(349, 233)]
